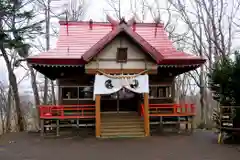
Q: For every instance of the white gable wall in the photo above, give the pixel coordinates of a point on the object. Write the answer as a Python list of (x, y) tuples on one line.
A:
[(106, 59)]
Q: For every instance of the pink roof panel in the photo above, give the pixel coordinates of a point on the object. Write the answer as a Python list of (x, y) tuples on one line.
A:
[(78, 38)]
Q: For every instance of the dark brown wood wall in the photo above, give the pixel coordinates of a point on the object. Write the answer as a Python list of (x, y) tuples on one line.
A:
[(77, 80), (85, 80), (163, 80)]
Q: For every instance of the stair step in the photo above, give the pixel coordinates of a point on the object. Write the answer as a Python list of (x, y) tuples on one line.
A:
[(125, 118), (122, 134), (122, 121), (123, 126), (108, 130), (116, 117), (119, 123), (120, 113), (120, 116)]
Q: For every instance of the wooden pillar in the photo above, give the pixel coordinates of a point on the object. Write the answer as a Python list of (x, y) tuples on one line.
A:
[(98, 115), (42, 127), (58, 127), (146, 115), (187, 124), (59, 93)]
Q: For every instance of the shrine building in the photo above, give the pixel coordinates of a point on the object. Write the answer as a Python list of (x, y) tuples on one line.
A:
[(117, 77)]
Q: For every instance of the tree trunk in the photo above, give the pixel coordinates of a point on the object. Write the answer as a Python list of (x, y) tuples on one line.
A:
[(13, 84), (47, 19), (202, 97), (53, 93), (9, 110), (36, 95), (45, 93)]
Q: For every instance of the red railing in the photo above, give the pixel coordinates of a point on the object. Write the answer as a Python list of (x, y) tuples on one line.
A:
[(170, 110), (142, 110), (59, 111)]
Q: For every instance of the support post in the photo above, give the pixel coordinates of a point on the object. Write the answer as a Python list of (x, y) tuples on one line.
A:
[(187, 124), (98, 115), (191, 125), (58, 128), (42, 127), (161, 123), (146, 115)]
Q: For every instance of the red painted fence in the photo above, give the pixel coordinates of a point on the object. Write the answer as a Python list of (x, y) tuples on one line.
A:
[(59, 111), (174, 110), (88, 111)]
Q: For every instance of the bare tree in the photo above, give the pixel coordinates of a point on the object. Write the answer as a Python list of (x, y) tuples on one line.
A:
[(212, 26), (115, 5), (3, 108), (73, 10), (76, 10)]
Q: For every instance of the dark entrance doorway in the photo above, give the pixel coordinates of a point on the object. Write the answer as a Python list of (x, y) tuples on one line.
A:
[(120, 102)]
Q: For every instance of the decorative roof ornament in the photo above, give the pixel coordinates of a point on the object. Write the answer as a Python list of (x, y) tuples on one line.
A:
[(112, 21), (122, 20), (91, 24), (131, 21), (157, 21)]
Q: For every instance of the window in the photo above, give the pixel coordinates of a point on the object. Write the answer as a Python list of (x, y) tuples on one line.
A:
[(85, 92), (158, 92), (70, 93), (77, 92), (121, 55)]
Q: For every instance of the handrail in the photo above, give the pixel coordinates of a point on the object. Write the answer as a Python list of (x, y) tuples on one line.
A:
[(178, 110), (58, 111)]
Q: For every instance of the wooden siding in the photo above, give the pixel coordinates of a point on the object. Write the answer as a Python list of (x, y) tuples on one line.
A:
[(137, 59), (84, 80)]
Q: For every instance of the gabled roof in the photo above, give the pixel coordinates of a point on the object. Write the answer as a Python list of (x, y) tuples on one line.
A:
[(116, 31), (78, 42)]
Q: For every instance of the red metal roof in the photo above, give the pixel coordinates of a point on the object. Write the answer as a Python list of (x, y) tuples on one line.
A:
[(79, 43)]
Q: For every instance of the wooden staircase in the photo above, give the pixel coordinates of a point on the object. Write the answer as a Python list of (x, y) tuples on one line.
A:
[(117, 125)]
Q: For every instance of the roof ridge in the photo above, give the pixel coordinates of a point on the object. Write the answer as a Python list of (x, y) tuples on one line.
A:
[(139, 24)]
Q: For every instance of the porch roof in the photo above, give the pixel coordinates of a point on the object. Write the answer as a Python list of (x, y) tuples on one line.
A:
[(78, 42)]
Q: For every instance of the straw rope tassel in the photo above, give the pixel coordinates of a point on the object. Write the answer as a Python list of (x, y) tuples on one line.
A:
[(122, 75)]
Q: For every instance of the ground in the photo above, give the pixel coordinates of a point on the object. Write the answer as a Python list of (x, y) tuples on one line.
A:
[(199, 146)]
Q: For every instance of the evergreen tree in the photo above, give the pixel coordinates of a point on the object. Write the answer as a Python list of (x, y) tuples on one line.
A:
[(225, 85), (17, 28), (221, 81)]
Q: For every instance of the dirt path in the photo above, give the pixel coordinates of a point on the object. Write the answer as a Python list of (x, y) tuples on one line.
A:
[(199, 146)]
